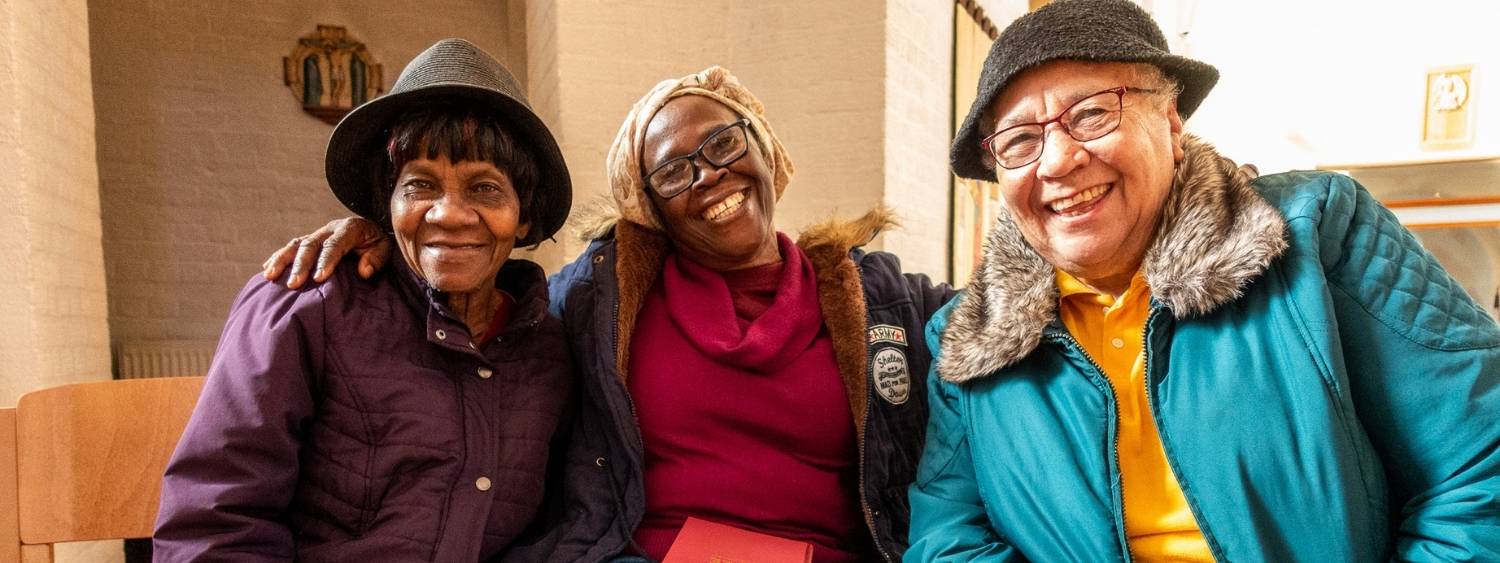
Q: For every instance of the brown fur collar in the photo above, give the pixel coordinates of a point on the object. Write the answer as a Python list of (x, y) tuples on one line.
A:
[(1216, 236), (640, 252)]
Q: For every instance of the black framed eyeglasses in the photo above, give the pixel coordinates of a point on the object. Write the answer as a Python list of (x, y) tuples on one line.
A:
[(1090, 118), (722, 147)]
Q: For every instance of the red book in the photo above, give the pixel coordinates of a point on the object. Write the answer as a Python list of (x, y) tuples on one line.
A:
[(701, 541)]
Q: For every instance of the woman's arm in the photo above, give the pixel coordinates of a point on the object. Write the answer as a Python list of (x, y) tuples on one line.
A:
[(1423, 365), (228, 485)]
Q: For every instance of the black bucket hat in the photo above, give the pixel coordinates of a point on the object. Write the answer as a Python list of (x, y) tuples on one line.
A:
[(1085, 30), (450, 69)]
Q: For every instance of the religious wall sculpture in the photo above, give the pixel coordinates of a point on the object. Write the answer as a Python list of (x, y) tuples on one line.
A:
[(330, 73)]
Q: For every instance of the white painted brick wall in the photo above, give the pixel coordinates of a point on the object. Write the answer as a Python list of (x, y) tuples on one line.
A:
[(53, 283), (918, 117)]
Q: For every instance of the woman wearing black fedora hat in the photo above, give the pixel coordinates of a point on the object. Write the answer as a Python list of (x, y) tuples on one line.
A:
[(408, 416), (1163, 357)]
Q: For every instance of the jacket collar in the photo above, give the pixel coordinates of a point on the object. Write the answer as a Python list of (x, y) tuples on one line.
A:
[(640, 252), (522, 279), (1216, 236)]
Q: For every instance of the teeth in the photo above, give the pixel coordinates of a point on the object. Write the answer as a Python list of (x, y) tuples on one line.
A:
[(1062, 205), (729, 205)]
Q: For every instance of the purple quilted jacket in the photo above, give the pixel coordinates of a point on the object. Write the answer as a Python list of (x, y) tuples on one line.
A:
[(356, 421)]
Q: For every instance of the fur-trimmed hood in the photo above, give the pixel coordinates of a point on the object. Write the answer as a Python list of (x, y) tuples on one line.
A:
[(1216, 236)]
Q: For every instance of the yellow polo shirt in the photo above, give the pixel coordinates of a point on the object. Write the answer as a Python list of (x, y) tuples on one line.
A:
[(1158, 523)]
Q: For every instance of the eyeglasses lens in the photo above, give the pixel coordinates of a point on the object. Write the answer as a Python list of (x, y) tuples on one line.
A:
[(720, 149), (1088, 119)]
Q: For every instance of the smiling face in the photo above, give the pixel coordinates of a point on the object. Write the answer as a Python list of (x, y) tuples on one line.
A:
[(724, 219), (1090, 208), (455, 223)]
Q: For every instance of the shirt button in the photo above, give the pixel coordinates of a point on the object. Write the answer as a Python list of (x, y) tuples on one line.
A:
[(482, 483), (441, 334), (1117, 343), (485, 373)]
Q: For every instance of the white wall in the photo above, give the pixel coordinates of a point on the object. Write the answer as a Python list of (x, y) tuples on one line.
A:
[(1333, 81)]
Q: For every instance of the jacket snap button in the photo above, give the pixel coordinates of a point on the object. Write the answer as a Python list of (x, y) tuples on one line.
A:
[(482, 483), (599, 259), (599, 461), (485, 373), (441, 334)]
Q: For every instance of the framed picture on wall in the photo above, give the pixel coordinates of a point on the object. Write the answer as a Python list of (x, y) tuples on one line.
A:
[(1448, 113)]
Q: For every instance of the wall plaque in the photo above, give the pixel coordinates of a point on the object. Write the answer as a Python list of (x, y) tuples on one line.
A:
[(330, 73), (1448, 118)]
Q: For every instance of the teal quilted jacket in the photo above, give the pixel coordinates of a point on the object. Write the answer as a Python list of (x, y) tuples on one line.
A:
[(1324, 391)]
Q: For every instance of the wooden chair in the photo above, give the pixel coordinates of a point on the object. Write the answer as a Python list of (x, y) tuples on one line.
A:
[(84, 462)]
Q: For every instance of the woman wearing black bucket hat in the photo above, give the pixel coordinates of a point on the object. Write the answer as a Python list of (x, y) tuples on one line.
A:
[(409, 416), (1163, 357)]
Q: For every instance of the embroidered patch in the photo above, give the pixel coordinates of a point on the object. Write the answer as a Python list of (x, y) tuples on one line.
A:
[(888, 333), (892, 378)]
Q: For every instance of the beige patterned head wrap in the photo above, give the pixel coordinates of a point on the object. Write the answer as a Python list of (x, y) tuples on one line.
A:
[(626, 179)]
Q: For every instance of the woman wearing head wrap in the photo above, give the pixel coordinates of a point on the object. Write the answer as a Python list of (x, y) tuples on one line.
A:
[(729, 373), (406, 417)]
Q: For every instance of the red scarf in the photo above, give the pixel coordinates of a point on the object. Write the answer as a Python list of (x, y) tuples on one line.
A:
[(701, 306)]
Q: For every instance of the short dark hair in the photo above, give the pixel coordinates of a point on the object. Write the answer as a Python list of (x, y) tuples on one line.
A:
[(461, 132)]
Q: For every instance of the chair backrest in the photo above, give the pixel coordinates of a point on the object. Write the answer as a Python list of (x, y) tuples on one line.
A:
[(87, 461)]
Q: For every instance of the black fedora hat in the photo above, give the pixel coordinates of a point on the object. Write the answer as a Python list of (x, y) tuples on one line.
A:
[(1085, 30), (450, 69)]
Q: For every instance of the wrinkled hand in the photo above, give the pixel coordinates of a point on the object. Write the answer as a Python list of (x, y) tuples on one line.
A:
[(330, 243)]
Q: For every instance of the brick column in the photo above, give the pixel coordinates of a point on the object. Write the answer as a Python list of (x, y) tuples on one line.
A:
[(53, 317), (918, 116), (821, 71)]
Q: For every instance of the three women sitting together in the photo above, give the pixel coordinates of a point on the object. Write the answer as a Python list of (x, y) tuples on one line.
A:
[(1260, 368)]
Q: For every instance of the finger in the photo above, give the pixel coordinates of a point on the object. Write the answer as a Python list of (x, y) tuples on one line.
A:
[(329, 254), (278, 261), (340, 237), (374, 258), (306, 252), (277, 255)]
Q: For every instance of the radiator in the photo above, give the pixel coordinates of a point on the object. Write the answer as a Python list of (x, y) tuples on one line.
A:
[(163, 358)]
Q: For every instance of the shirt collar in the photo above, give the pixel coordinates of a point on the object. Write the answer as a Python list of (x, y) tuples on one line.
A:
[(1069, 286)]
